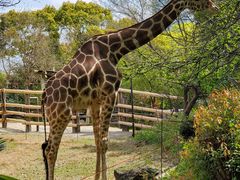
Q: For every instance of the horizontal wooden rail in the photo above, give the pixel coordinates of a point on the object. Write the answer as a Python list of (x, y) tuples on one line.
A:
[(24, 106), (147, 118), (24, 114), (129, 124), (13, 120), (20, 91), (145, 93), (139, 108)]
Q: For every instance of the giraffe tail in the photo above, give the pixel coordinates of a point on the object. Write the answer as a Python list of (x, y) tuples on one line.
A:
[(44, 146), (43, 113)]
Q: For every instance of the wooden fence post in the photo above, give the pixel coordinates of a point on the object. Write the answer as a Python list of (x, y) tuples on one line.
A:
[(27, 102), (77, 122), (119, 102), (4, 120)]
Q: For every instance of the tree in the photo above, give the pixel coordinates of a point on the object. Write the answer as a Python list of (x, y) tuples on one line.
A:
[(193, 57), (26, 47), (46, 38), (79, 22)]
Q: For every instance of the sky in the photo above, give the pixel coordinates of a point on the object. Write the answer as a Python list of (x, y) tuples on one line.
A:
[(26, 5)]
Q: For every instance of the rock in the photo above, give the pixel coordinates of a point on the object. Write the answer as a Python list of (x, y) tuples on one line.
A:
[(145, 173)]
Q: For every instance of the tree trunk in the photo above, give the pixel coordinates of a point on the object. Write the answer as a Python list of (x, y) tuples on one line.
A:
[(190, 100)]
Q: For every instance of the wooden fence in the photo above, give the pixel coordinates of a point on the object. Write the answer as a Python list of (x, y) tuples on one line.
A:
[(29, 114), (144, 117)]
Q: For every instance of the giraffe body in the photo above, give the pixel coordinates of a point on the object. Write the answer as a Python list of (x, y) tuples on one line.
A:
[(91, 80)]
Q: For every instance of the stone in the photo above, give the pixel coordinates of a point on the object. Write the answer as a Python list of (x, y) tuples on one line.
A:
[(145, 173)]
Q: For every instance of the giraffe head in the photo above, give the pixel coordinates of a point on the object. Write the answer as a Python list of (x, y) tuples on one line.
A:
[(199, 5)]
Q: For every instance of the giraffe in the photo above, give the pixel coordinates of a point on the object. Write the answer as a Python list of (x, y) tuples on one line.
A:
[(91, 80)]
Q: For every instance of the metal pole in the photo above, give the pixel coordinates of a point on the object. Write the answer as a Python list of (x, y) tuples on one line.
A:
[(4, 109), (162, 138), (133, 120)]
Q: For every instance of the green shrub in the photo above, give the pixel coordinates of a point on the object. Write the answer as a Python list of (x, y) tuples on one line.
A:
[(193, 164), (171, 138), (218, 132), (214, 153)]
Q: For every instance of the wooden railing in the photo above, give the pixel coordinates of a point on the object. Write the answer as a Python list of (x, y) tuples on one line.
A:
[(25, 116), (144, 117), (32, 114)]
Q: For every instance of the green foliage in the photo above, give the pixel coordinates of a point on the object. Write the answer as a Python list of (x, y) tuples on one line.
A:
[(2, 80), (3, 177), (46, 39), (215, 151), (216, 56), (203, 52), (151, 66), (119, 24), (170, 135), (193, 164), (82, 14), (149, 136), (218, 131)]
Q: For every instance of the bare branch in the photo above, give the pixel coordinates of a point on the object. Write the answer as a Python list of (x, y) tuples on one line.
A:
[(8, 3)]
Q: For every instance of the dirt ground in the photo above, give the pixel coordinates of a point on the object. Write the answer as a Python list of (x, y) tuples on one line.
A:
[(22, 157)]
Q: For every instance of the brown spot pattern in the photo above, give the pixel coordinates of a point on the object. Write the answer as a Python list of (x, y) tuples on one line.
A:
[(107, 68), (87, 48), (82, 82), (78, 70), (100, 50), (89, 63)]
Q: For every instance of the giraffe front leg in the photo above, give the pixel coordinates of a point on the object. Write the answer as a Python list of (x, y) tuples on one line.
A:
[(106, 113), (51, 156), (95, 113), (104, 145), (54, 140)]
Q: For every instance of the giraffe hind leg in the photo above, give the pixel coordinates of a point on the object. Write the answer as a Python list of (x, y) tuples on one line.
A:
[(107, 109), (57, 127), (44, 146), (95, 113)]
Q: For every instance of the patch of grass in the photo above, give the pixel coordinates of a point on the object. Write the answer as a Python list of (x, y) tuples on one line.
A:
[(76, 158), (166, 134), (193, 165)]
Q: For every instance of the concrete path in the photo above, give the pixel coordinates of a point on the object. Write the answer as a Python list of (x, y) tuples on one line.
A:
[(86, 131)]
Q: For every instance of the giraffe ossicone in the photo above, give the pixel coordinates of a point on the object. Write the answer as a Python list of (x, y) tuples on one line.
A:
[(91, 80)]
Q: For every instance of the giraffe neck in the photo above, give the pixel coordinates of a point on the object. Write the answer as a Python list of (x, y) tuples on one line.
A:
[(128, 39)]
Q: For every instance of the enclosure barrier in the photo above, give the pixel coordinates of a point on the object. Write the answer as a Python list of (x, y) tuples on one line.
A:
[(29, 114), (26, 115), (146, 116)]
